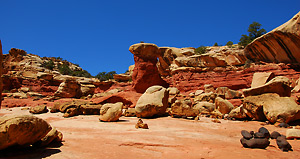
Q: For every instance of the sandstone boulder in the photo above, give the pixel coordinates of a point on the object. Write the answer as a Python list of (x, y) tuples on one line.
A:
[(87, 89), (224, 106), (261, 78), (130, 112), (281, 45), (279, 85), (141, 124), (70, 88), (272, 107), (168, 56), (209, 88), (23, 130), (227, 93), (52, 136), (145, 73), (216, 114), (183, 108), (90, 109), (153, 102), (209, 97), (293, 133), (296, 89), (198, 92), (111, 112), (237, 113), (38, 109), (204, 107), (76, 107), (173, 91)]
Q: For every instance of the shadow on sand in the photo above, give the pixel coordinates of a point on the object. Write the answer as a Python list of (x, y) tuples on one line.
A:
[(30, 152)]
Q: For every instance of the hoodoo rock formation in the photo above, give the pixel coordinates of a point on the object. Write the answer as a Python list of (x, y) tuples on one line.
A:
[(145, 72), (281, 45)]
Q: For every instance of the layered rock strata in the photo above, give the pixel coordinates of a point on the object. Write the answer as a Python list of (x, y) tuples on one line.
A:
[(281, 45)]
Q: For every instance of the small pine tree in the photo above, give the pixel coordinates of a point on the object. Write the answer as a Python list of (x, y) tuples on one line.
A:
[(254, 32), (216, 44), (229, 43)]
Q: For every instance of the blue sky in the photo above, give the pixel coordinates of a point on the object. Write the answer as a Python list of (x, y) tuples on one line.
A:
[(97, 34)]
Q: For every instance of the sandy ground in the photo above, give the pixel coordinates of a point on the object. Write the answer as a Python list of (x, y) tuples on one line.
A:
[(86, 137)]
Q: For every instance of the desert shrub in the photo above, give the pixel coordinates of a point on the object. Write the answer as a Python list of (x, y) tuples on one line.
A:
[(48, 64), (5, 91), (64, 69), (82, 73), (216, 44), (103, 76), (201, 50), (59, 58), (229, 43)]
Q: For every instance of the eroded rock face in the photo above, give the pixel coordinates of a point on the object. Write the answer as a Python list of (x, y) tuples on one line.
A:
[(153, 102), (70, 88), (145, 73), (22, 130), (279, 45), (272, 107)]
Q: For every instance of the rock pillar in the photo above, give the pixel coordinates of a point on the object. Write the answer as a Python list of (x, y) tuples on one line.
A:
[(145, 73)]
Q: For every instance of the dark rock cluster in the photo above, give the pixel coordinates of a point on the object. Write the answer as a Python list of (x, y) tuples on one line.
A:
[(261, 138)]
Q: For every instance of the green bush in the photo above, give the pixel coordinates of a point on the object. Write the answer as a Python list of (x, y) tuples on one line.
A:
[(254, 32), (59, 58), (48, 64), (201, 50), (103, 76), (229, 43), (82, 73), (65, 69), (216, 44)]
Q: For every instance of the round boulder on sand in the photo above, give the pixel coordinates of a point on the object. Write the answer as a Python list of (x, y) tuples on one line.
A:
[(22, 130), (111, 112), (153, 102)]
